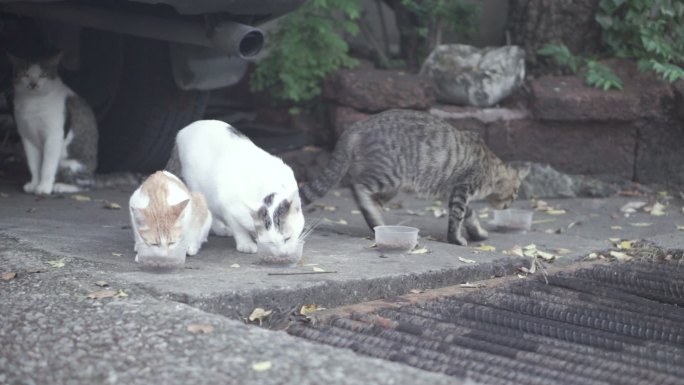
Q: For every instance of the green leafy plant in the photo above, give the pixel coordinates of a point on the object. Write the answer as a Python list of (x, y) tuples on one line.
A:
[(651, 31), (307, 45), (595, 73)]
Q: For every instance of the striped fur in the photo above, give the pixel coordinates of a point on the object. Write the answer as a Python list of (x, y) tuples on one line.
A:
[(401, 149)]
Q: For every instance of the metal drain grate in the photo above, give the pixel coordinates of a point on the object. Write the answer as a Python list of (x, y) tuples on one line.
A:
[(609, 324)]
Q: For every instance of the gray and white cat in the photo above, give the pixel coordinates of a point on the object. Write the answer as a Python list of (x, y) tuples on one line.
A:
[(251, 194), (58, 128), (402, 149)]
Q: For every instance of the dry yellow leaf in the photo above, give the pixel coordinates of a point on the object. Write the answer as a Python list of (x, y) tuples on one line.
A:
[(57, 263), (591, 257), (120, 294), (318, 269), (563, 251), (259, 314), (200, 329), (117, 254), (540, 221), (616, 227), (235, 265), (102, 283), (415, 291), (80, 198), (556, 212), (641, 224), (625, 245), (484, 247), (545, 256), (469, 285), (8, 276), (356, 212), (112, 205), (658, 209), (680, 227), (466, 260), (340, 222), (620, 256), (614, 240), (262, 366), (419, 250), (310, 309), (102, 294)]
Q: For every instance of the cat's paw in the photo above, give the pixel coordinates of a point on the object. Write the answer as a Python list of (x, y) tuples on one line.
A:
[(457, 240), (44, 189), (63, 188), (30, 187), (247, 247), (192, 250)]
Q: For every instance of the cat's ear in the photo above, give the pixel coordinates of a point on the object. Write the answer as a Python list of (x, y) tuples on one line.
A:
[(295, 201), (16, 62), (178, 208), (53, 61), (523, 172)]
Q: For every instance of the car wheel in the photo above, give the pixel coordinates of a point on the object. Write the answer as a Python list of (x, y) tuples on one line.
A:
[(129, 82)]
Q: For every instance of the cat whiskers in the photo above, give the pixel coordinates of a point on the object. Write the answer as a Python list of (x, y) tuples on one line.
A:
[(308, 229)]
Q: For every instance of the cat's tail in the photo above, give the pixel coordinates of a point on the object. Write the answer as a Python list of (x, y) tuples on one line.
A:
[(333, 173)]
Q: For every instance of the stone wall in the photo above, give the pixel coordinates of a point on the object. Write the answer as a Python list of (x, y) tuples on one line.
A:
[(636, 133)]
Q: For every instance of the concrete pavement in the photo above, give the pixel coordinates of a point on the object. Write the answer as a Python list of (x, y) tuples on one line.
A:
[(52, 333)]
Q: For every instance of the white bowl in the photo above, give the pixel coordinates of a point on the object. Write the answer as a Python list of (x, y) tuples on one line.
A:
[(268, 256), (173, 261), (396, 238), (512, 220)]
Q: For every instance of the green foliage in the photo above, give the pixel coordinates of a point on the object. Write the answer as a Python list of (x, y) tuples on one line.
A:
[(307, 45), (456, 15), (651, 31), (595, 74)]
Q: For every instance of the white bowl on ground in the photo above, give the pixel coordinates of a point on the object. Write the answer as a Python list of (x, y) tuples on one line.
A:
[(512, 220), (396, 238)]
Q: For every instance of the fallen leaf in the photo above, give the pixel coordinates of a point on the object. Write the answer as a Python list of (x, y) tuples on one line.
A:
[(259, 314), (521, 276), (356, 212), (469, 285), (318, 269), (117, 254), (680, 227), (419, 250), (431, 238), (102, 294), (112, 206), (200, 329), (658, 209), (632, 207), (235, 265), (563, 251), (663, 193), (262, 366), (641, 224), (57, 263), (340, 222), (616, 227), (620, 256), (102, 283), (556, 212), (80, 198), (326, 207), (591, 257), (373, 246), (8, 276), (415, 291), (3, 195), (539, 205), (625, 245), (36, 270), (484, 247), (516, 250), (310, 309), (466, 260), (120, 294)]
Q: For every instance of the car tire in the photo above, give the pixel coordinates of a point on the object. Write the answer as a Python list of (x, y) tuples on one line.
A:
[(129, 82)]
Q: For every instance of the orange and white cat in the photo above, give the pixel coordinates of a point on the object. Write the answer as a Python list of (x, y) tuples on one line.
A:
[(167, 218)]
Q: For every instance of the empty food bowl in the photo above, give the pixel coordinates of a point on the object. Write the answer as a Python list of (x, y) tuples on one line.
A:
[(171, 261), (396, 238), (269, 255), (512, 220)]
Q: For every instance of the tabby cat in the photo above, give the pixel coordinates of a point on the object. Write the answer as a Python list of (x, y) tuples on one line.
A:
[(402, 149), (58, 128)]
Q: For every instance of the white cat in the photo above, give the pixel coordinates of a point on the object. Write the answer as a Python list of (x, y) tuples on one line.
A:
[(53, 123), (167, 218), (252, 194)]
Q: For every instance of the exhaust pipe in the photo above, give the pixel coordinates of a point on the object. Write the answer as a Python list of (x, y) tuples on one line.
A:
[(229, 38)]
